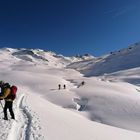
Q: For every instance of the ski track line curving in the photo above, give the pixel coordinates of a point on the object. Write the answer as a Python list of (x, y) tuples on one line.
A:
[(26, 126)]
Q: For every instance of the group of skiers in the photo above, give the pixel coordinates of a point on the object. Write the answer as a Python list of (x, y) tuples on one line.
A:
[(8, 93), (64, 86), (60, 87)]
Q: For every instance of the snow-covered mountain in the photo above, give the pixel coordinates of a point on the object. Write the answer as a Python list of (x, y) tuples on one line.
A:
[(38, 56), (115, 61), (106, 107), (122, 65)]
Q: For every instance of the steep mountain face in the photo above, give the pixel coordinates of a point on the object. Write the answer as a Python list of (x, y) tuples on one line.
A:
[(115, 61)]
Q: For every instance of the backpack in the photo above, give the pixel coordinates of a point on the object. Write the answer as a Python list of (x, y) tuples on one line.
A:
[(13, 92), (3, 88)]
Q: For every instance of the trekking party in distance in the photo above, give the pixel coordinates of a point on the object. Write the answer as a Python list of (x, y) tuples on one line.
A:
[(8, 93)]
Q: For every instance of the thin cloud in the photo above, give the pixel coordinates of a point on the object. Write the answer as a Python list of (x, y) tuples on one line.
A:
[(123, 11), (120, 11)]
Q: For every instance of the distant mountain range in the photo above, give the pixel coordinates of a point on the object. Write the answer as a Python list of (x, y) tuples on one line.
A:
[(87, 64)]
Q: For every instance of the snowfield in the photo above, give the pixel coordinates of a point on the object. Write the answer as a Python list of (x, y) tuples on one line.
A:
[(106, 107)]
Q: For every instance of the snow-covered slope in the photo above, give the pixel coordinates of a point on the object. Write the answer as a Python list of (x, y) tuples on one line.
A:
[(105, 108), (115, 61)]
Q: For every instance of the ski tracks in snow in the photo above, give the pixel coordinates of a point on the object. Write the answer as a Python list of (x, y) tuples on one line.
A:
[(4, 128), (26, 126)]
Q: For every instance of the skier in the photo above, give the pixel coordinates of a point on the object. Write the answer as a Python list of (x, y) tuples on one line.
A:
[(59, 86), (64, 86), (82, 83), (6, 95)]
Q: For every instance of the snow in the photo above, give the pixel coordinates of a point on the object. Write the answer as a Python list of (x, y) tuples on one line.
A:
[(120, 60), (107, 107)]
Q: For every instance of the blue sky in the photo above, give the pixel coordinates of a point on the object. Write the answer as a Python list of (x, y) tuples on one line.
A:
[(70, 27)]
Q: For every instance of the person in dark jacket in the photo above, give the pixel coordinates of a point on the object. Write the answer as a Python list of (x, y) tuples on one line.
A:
[(59, 86), (6, 95), (64, 86)]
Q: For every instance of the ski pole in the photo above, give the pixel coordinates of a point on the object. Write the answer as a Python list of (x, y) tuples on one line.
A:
[(1, 104)]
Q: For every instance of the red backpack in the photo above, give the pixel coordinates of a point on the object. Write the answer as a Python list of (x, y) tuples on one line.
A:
[(13, 92)]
